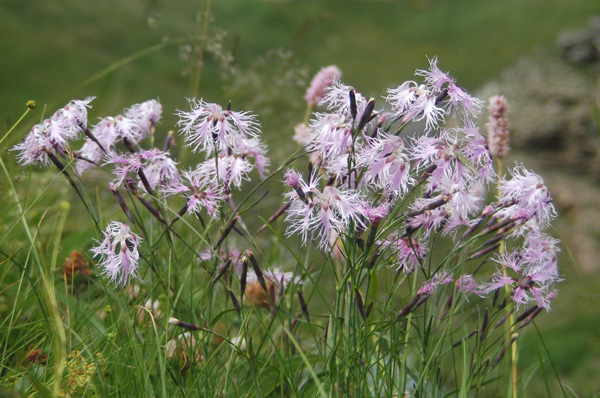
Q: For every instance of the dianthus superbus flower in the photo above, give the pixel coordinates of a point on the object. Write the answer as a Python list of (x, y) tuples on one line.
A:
[(413, 102), (459, 99), (74, 113), (118, 252), (387, 164), (208, 126), (226, 170), (526, 191), (409, 252), (145, 115), (33, 149), (529, 282), (319, 213), (200, 191)]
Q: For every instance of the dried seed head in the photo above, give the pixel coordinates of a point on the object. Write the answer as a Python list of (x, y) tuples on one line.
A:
[(498, 132)]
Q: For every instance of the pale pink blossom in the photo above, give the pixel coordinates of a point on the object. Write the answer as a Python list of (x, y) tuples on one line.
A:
[(429, 287), (209, 127), (200, 190), (119, 253), (459, 99), (387, 164), (526, 190), (145, 115), (409, 252), (303, 134), (319, 213)]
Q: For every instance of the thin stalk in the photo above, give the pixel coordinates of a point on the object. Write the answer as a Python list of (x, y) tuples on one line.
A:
[(513, 349), (30, 106)]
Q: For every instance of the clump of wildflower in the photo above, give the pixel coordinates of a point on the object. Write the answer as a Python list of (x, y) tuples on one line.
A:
[(119, 253), (322, 80), (498, 132)]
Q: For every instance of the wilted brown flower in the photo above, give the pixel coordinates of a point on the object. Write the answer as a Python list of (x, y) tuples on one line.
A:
[(257, 295), (36, 355), (178, 348), (75, 262)]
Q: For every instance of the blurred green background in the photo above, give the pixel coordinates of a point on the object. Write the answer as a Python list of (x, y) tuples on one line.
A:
[(262, 54)]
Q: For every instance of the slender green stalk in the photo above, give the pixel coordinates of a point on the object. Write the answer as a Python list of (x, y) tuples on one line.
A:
[(31, 105)]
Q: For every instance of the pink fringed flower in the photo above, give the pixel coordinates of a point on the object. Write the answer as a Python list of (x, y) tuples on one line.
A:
[(413, 102), (526, 191), (409, 252), (208, 127), (319, 213), (145, 116), (200, 190), (387, 164), (119, 253), (459, 99)]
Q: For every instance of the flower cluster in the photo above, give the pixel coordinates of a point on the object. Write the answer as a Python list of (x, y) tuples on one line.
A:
[(229, 139), (368, 174), (367, 167), (531, 269), (53, 134)]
